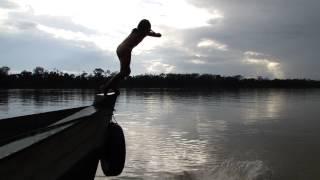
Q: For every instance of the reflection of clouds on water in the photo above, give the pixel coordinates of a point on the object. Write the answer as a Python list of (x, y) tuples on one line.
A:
[(29, 101), (176, 135), (168, 132), (179, 134), (161, 138), (160, 150), (264, 105)]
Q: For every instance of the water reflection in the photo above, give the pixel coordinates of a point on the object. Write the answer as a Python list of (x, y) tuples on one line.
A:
[(4, 99), (175, 131), (20, 102), (181, 134), (263, 105), (209, 134)]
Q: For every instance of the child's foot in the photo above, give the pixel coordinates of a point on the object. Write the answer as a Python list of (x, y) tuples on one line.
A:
[(104, 89), (111, 90)]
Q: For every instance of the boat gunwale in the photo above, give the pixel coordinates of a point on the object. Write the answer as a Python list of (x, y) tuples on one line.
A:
[(26, 134), (47, 129)]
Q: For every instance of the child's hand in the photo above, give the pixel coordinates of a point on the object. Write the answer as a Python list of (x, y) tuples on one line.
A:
[(157, 35), (153, 34)]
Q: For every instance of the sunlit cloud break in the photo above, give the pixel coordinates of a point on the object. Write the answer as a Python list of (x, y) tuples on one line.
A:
[(98, 40), (156, 67), (260, 59), (210, 43), (197, 61), (64, 34)]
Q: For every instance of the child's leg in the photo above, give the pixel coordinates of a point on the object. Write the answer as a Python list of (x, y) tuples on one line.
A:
[(115, 80), (124, 72)]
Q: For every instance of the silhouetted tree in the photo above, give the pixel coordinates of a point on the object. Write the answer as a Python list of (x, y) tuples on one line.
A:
[(238, 77), (40, 78), (38, 71), (84, 75), (26, 74), (107, 73), (4, 71), (98, 72)]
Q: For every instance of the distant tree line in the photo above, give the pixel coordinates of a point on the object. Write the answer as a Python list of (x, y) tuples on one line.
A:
[(41, 78)]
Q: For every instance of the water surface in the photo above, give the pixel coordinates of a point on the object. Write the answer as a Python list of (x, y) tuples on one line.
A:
[(184, 134)]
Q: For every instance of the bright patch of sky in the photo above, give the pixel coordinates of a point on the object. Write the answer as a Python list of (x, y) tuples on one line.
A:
[(113, 20), (212, 43), (156, 67)]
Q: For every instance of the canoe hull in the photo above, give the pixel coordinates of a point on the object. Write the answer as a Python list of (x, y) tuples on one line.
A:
[(69, 149)]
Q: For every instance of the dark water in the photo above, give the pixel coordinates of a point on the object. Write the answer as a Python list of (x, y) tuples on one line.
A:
[(214, 135)]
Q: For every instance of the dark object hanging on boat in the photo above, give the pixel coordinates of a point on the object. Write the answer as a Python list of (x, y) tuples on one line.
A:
[(113, 152)]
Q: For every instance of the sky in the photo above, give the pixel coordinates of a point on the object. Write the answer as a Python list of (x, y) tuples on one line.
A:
[(269, 38)]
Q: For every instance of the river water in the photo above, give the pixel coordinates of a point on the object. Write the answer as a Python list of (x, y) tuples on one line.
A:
[(195, 134)]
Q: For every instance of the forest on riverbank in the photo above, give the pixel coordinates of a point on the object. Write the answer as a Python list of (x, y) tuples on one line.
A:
[(41, 78)]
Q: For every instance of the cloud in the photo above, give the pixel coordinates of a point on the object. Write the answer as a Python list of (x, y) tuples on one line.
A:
[(21, 25), (6, 4), (65, 34), (207, 43), (198, 35), (65, 26), (288, 31), (157, 67), (265, 61), (57, 22), (26, 50), (197, 61)]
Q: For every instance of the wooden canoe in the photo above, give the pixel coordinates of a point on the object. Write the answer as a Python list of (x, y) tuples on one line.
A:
[(55, 145)]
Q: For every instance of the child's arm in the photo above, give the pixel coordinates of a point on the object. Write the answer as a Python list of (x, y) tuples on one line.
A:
[(154, 34)]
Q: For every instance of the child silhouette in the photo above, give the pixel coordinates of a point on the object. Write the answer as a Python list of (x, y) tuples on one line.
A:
[(124, 52)]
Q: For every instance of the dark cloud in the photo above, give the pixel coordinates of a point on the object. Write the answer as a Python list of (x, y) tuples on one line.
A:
[(185, 61), (286, 29), (28, 50)]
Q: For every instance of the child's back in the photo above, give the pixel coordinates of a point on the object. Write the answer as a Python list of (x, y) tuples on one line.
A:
[(134, 38)]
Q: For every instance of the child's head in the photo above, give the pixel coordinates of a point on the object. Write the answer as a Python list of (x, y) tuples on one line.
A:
[(144, 26)]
